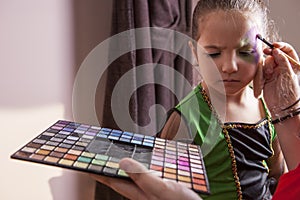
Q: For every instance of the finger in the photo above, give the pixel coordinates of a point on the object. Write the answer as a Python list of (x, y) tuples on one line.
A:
[(148, 182), (282, 61), (153, 186), (126, 188), (287, 48), (258, 81), (269, 65), (267, 51)]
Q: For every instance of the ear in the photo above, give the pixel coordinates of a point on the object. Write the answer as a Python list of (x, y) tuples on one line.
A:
[(194, 51)]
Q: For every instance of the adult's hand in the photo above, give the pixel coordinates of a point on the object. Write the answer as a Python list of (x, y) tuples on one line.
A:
[(281, 86), (144, 184)]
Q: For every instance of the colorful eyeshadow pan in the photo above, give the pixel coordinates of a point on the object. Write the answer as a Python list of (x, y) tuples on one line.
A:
[(98, 150)]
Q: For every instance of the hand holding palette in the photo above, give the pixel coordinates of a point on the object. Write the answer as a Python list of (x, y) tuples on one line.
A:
[(98, 150)]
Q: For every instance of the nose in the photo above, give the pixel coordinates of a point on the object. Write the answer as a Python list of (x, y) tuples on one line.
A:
[(229, 64)]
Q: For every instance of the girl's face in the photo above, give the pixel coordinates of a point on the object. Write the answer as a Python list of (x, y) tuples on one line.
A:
[(229, 39)]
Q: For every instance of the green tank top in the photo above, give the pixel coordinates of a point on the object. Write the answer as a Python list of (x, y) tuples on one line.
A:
[(208, 132)]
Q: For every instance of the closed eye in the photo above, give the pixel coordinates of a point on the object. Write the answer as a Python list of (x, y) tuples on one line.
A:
[(247, 53), (213, 55)]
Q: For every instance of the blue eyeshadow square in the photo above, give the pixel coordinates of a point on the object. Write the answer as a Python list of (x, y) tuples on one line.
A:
[(116, 131), (106, 129), (102, 135), (136, 142), (128, 133), (124, 140), (113, 137), (148, 144)]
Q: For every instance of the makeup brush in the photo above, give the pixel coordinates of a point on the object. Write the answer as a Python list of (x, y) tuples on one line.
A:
[(292, 60)]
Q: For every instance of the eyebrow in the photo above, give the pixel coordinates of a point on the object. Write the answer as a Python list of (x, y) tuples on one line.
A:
[(245, 46), (213, 47)]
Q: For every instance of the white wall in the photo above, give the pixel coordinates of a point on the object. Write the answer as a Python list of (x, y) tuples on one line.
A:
[(286, 14), (42, 43)]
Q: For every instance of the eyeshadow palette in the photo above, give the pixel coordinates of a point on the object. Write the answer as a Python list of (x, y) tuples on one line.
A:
[(98, 150)]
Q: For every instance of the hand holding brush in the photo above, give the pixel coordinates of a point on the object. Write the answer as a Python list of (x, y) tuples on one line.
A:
[(278, 80)]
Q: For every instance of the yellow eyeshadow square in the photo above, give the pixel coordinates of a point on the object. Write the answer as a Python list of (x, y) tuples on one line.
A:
[(112, 164), (88, 154), (81, 164), (169, 175), (184, 178), (66, 162), (170, 170)]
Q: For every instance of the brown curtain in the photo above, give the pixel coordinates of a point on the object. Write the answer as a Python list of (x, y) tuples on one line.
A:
[(133, 14)]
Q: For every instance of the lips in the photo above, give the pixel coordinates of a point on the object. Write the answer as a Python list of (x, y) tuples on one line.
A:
[(230, 80)]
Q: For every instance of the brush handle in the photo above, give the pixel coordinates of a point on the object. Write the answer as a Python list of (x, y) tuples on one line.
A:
[(293, 61)]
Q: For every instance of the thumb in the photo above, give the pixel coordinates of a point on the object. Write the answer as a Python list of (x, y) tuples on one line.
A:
[(131, 166)]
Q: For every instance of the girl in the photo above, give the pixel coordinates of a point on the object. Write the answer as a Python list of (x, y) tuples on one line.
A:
[(241, 152)]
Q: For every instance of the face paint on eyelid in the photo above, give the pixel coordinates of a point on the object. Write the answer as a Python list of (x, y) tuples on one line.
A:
[(250, 39)]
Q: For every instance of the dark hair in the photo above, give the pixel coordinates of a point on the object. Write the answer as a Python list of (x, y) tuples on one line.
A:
[(255, 8)]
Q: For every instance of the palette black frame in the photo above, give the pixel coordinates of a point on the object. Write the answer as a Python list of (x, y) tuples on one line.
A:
[(95, 149)]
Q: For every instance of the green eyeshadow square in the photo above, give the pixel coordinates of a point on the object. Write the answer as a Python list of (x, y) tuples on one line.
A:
[(84, 159), (101, 157), (122, 173), (99, 162)]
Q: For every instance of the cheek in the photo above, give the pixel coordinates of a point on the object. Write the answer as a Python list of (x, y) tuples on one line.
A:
[(251, 59), (248, 71)]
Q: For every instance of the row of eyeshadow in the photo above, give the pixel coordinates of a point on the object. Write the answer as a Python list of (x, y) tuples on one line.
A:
[(98, 150)]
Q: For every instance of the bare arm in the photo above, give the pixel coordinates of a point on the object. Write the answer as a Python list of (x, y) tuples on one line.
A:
[(289, 136), (175, 128), (276, 162)]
